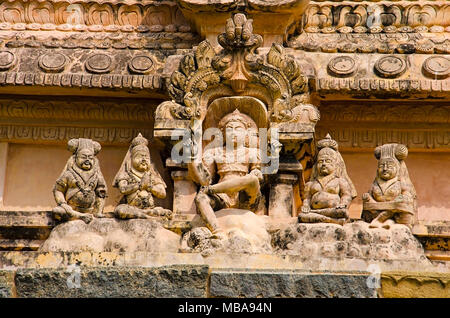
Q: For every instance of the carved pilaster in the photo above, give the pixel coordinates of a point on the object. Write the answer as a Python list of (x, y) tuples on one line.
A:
[(281, 199)]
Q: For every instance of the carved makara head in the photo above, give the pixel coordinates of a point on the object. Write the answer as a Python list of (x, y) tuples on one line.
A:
[(84, 151), (140, 154), (237, 127)]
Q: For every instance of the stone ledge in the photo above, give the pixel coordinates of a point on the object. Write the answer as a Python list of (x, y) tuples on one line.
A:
[(170, 281), (218, 261), (415, 285), (289, 284), (7, 287)]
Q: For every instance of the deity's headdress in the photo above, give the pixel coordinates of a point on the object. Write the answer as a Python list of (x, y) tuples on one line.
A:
[(397, 153), (75, 145), (328, 146), (246, 120), (139, 143)]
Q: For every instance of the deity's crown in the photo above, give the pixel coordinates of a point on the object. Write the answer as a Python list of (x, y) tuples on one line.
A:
[(236, 115), (395, 152), (327, 142), (139, 141)]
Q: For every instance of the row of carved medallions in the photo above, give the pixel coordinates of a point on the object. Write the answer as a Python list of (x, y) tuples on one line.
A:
[(388, 17), (94, 62), (94, 17), (403, 43), (390, 66), (102, 40)]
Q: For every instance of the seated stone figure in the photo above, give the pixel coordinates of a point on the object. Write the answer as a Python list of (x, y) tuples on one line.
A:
[(80, 190), (392, 197), (238, 171), (138, 182), (329, 192)]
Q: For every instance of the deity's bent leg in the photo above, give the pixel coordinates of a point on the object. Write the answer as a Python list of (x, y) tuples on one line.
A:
[(60, 214), (203, 203), (125, 211), (404, 218), (332, 213), (312, 217), (380, 219), (248, 183)]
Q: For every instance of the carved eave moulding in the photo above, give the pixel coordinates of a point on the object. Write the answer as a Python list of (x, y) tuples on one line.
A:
[(376, 17), (237, 70), (273, 19)]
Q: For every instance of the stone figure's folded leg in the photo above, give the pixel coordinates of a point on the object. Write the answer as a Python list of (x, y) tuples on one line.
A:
[(312, 217), (125, 211), (387, 224), (404, 218), (333, 213), (60, 214), (248, 183), (368, 216), (203, 203), (159, 211), (380, 219)]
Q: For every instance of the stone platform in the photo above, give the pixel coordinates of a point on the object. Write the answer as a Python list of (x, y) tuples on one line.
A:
[(34, 274)]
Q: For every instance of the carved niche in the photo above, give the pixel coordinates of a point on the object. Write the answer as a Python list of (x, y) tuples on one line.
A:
[(274, 81)]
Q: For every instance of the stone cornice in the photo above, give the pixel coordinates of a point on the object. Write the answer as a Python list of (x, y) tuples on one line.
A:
[(94, 16), (376, 17)]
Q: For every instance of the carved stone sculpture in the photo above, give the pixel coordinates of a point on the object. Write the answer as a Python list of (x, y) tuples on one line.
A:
[(80, 190), (238, 170), (138, 182), (392, 197), (330, 191)]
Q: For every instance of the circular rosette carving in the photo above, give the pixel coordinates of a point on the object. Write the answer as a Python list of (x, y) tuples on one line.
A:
[(342, 66), (7, 60), (53, 62), (141, 64), (390, 66), (437, 67), (99, 63)]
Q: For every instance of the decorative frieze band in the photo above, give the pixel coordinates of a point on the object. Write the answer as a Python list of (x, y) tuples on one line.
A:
[(354, 138), (82, 80), (403, 43), (420, 126), (41, 134), (398, 86), (104, 16), (57, 120), (377, 17)]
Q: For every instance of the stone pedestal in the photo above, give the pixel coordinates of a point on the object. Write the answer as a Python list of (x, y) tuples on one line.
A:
[(184, 191), (281, 200)]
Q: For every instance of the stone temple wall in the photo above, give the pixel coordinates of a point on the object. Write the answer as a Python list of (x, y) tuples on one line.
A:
[(349, 87)]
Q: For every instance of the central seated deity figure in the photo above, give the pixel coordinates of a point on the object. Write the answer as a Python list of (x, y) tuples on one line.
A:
[(237, 167), (138, 182), (330, 191)]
